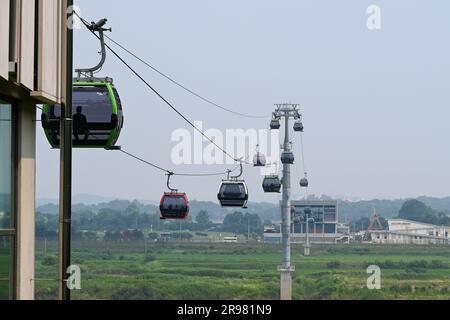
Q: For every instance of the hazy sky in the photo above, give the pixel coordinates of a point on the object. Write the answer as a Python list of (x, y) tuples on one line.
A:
[(375, 103)]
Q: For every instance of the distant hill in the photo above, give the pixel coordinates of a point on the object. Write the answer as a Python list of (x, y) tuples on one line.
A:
[(118, 205), (264, 210), (348, 210), (87, 199)]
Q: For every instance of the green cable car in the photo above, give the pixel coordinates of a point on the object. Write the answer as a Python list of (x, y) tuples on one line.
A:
[(97, 110), (97, 116)]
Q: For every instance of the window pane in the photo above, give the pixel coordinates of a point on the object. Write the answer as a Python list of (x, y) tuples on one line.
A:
[(94, 103), (330, 228), (174, 202), (5, 165), (233, 190), (5, 267)]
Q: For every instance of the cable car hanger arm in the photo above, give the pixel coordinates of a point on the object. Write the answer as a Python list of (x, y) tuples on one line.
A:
[(169, 175), (95, 27), (241, 171)]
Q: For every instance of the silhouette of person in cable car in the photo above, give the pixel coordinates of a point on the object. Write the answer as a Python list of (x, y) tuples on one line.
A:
[(80, 125)]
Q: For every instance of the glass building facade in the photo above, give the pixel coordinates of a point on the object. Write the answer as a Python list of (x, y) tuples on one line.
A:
[(7, 203), (323, 223), (323, 217)]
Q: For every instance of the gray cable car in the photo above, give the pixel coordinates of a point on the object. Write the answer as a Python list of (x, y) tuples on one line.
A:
[(271, 184), (304, 183), (287, 157), (298, 126), (275, 124), (233, 192)]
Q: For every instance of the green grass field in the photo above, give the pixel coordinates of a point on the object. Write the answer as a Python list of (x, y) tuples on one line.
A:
[(4, 273), (246, 271)]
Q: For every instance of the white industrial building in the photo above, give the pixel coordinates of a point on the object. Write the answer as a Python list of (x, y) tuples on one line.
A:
[(403, 231)]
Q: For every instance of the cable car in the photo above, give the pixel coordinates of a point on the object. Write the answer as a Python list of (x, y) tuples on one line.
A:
[(97, 116), (259, 160), (304, 183), (97, 110), (287, 157), (271, 184), (298, 126), (174, 206), (233, 193), (275, 124)]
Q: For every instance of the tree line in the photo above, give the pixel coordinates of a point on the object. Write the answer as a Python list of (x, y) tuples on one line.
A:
[(133, 224)]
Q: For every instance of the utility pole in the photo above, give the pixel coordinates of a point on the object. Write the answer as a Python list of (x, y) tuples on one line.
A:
[(307, 248), (286, 111), (248, 228), (45, 238), (65, 192)]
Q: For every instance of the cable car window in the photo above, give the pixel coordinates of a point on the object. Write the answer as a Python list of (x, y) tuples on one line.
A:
[(95, 105), (174, 202), (233, 190), (168, 202), (92, 96)]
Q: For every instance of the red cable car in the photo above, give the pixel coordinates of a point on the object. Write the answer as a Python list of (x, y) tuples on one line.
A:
[(174, 205)]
